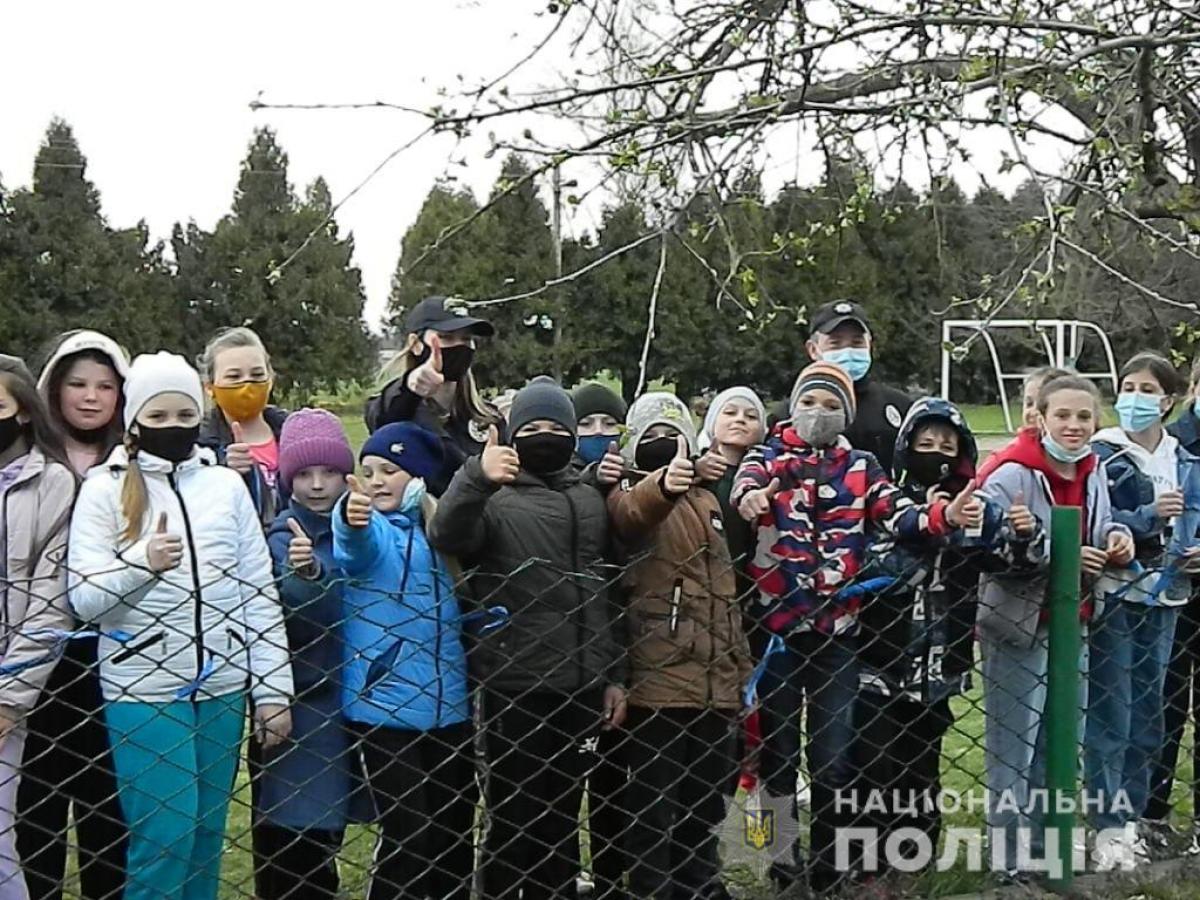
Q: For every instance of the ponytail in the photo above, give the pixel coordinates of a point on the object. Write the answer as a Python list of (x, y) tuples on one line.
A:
[(134, 499)]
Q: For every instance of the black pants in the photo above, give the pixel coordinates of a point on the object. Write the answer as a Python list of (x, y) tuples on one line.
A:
[(680, 762), (423, 784), (68, 763), (607, 820), (898, 750), (296, 865), (538, 758), (1181, 694)]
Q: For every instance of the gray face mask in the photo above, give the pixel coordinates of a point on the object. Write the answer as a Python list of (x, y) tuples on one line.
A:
[(819, 426)]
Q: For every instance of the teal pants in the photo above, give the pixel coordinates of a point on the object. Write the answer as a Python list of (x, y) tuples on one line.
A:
[(175, 767)]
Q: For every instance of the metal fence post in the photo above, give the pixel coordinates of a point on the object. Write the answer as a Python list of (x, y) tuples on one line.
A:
[(1062, 700)]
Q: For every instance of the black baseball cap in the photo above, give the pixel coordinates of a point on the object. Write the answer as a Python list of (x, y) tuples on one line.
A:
[(830, 315), (445, 314)]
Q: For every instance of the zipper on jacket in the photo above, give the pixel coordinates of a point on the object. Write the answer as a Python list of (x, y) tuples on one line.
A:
[(197, 605), (139, 647), (673, 618)]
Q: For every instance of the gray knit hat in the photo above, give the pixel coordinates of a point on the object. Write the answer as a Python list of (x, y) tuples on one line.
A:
[(659, 408), (542, 398)]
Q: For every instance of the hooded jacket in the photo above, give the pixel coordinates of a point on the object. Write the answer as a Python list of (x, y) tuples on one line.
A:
[(536, 547), (813, 542), (214, 620), (684, 624), (917, 637)]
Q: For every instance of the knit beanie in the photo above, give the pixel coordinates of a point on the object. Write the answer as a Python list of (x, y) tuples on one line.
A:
[(416, 450), (542, 398), (312, 437), (714, 410), (152, 374), (591, 399), (830, 377), (658, 408)]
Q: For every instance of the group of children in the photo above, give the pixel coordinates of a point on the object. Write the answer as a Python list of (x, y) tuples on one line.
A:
[(616, 591)]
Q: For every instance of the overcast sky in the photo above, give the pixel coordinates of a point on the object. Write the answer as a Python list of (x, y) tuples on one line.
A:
[(159, 93)]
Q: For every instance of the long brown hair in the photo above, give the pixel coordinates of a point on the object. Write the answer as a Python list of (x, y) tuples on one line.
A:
[(52, 394), (468, 402), (40, 430)]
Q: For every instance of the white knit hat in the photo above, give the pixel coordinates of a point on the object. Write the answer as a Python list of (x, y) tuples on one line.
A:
[(708, 435), (159, 373)]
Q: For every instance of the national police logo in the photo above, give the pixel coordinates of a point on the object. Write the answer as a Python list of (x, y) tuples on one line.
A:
[(455, 306), (478, 431), (893, 416), (759, 828)]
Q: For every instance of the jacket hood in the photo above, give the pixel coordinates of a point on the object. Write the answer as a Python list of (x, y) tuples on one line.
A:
[(1026, 450), (79, 342), (658, 408), (1125, 445), (928, 410), (118, 460)]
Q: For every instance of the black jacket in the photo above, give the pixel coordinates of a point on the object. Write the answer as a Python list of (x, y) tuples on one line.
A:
[(216, 435), (536, 547)]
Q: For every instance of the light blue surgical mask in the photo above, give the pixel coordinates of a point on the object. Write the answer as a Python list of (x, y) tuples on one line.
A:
[(1057, 451), (855, 361), (1138, 411), (414, 493)]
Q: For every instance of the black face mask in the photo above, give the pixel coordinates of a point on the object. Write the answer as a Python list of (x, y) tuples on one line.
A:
[(655, 453), (88, 436), (456, 361), (173, 443), (931, 467), (10, 430), (544, 453)]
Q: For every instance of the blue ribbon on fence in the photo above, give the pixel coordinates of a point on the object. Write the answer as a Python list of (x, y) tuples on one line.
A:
[(57, 641), (189, 690), (500, 616)]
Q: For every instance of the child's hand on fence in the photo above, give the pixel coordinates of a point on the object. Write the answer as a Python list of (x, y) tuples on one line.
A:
[(237, 454), (758, 503), (1019, 516), (1120, 548), (427, 379), (164, 550), (1092, 560), (611, 466), (500, 464), (614, 707), (681, 473), (711, 466), (1169, 505), (965, 510), (300, 552), (358, 503), (272, 724)]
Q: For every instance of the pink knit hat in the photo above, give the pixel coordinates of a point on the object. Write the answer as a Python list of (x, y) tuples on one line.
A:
[(312, 437)]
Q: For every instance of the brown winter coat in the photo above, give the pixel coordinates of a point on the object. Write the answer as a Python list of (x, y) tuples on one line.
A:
[(36, 511), (686, 645)]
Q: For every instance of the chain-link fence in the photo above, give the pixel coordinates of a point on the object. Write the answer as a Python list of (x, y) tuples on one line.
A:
[(639, 717)]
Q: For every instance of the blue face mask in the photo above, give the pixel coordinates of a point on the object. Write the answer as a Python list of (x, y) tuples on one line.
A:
[(593, 447), (854, 360), (1138, 411), (1057, 451), (414, 493)]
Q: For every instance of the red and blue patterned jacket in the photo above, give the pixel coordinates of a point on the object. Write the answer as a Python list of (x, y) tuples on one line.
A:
[(814, 541)]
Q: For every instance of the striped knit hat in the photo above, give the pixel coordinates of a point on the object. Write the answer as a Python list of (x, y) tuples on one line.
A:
[(830, 377)]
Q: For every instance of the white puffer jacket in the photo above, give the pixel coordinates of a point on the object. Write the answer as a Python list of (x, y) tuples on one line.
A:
[(218, 610)]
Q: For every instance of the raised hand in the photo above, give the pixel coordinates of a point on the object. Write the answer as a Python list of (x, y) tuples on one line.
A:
[(611, 466), (426, 379), (681, 473), (1019, 516), (711, 466), (358, 503), (164, 550), (758, 503), (237, 454), (965, 510), (300, 552), (500, 464)]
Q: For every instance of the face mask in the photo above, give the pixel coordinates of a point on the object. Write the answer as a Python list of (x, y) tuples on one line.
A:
[(593, 447), (173, 443), (414, 493), (88, 436), (855, 361), (930, 467), (545, 453), (656, 453), (456, 361), (1137, 411), (242, 402), (10, 430), (1057, 451), (817, 426)]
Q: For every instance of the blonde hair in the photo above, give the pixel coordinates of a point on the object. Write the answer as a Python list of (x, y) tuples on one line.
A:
[(468, 402), (229, 339), (135, 500)]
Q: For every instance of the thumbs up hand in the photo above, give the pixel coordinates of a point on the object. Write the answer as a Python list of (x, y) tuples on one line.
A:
[(300, 552), (426, 379), (164, 551), (358, 503), (237, 454), (711, 466), (681, 473), (758, 503), (500, 464), (965, 510), (611, 466), (1019, 516)]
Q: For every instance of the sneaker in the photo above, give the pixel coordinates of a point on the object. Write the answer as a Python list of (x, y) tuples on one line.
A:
[(584, 887)]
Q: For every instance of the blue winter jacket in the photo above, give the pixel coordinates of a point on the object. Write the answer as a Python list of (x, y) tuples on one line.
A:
[(405, 663)]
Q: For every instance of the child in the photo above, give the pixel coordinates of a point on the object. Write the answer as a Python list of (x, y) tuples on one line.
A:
[(812, 498), (405, 683), (916, 643), (166, 546), (68, 771), (36, 493), (688, 658), (536, 537), (1051, 466), (303, 801), (242, 429), (599, 414)]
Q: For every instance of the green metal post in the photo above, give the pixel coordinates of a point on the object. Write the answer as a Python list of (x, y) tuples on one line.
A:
[(1062, 700)]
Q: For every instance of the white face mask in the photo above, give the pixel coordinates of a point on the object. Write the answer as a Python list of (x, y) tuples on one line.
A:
[(818, 426), (414, 493)]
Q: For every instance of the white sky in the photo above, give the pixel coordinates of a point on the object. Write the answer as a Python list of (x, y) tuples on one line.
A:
[(158, 95)]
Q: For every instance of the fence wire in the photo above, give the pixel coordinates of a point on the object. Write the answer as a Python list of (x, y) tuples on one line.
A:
[(459, 734)]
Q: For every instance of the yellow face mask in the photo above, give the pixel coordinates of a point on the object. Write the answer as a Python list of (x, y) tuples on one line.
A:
[(242, 402)]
